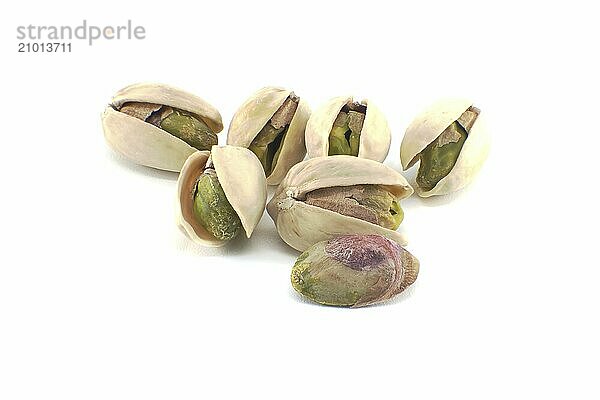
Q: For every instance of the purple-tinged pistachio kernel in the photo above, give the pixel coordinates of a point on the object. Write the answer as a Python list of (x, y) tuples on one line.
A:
[(354, 270)]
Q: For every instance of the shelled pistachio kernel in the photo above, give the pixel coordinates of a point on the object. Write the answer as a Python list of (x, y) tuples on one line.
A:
[(344, 138), (268, 142), (371, 203), (440, 156), (212, 209), (181, 124), (354, 270)]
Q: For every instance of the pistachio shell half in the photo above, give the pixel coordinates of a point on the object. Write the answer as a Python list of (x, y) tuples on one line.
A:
[(231, 171), (343, 126), (324, 197), (159, 126), (354, 271), (450, 141), (271, 124)]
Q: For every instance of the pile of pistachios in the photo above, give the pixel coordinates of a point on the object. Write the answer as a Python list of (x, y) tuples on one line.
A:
[(340, 206)]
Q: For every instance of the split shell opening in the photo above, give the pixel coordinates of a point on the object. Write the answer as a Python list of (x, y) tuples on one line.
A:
[(343, 126), (158, 125), (271, 124)]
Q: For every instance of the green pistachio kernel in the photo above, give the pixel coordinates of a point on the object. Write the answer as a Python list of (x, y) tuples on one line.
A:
[(344, 138), (212, 209), (355, 123), (397, 215), (338, 143), (190, 129), (268, 143), (371, 203), (354, 270), (440, 156), (318, 284), (354, 141), (266, 146), (181, 124)]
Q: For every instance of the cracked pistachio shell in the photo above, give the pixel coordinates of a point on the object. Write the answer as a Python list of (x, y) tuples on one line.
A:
[(427, 126), (256, 112), (354, 271), (301, 225), (145, 143), (243, 180), (375, 135)]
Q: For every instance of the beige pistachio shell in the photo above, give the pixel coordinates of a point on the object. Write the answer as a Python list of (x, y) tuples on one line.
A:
[(145, 143), (426, 127), (254, 114), (375, 137), (243, 181), (301, 225)]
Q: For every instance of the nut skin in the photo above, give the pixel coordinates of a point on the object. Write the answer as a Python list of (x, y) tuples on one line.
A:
[(427, 128), (253, 116), (354, 271), (301, 225), (145, 143), (373, 141), (370, 203), (242, 181)]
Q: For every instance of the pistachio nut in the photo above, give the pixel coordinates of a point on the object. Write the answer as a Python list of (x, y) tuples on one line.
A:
[(219, 193), (354, 270), (324, 197), (451, 143), (159, 126), (271, 124), (345, 127)]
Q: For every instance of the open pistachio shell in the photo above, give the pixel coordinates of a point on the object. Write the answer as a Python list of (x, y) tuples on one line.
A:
[(301, 225), (256, 112), (426, 128), (375, 136), (145, 143), (243, 180)]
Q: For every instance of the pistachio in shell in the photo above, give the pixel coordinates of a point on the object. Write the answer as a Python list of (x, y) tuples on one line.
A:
[(450, 141), (160, 126), (324, 197), (219, 194), (354, 271), (343, 126), (271, 124)]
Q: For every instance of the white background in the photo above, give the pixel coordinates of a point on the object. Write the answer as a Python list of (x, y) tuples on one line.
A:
[(102, 297)]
